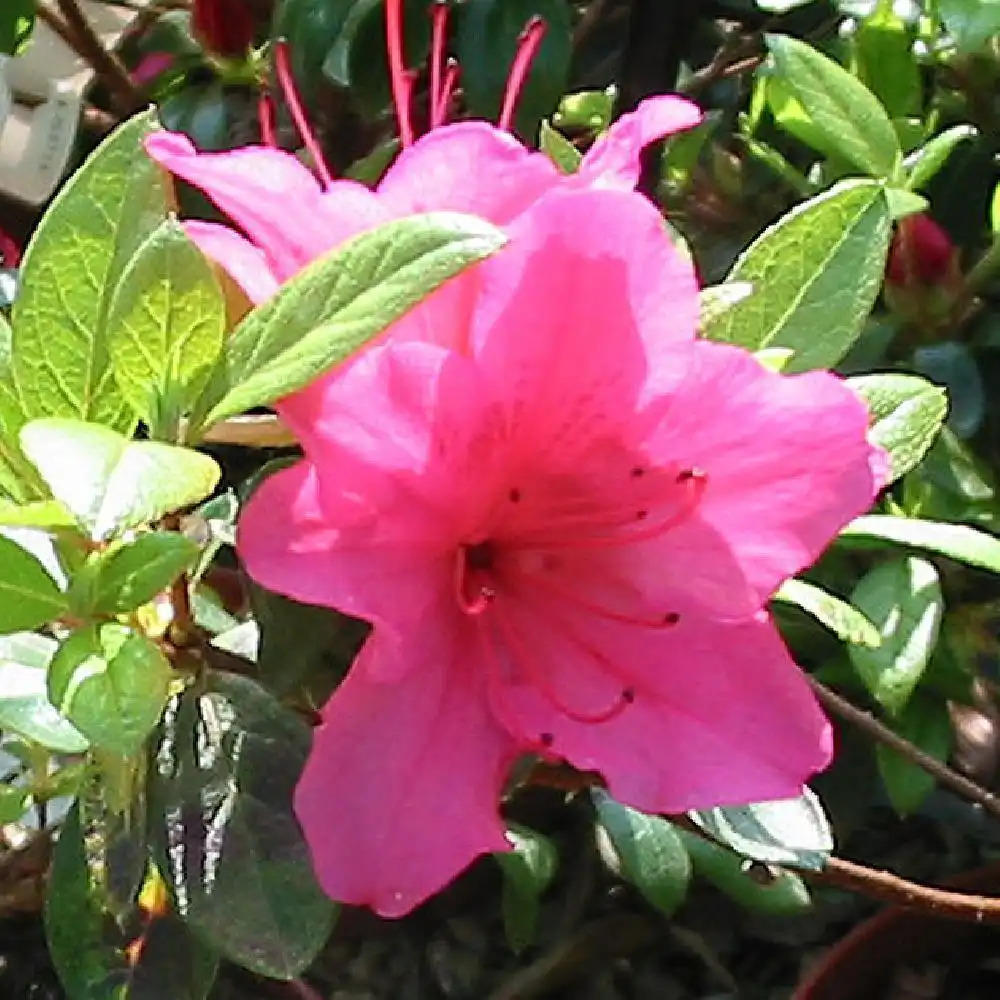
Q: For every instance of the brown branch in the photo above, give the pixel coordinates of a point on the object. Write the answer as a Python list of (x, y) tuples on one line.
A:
[(889, 888), (878, 731), (78, 33), (253, 430)]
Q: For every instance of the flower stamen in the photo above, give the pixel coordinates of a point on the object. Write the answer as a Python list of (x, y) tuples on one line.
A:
[(266, 116), (527, 48), (439, 31), (400, 78), (289, 91)]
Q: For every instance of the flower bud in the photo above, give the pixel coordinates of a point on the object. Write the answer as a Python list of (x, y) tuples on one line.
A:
[(922, 277), (225, 27)]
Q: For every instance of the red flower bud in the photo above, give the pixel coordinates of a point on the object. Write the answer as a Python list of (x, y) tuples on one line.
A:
[(10, 252), (225, 27), (922, 255)]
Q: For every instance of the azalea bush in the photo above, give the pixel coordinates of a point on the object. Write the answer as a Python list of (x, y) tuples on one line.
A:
[(413, 415)]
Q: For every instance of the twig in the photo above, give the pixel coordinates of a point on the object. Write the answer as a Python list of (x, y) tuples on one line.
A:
[(867, 722), (254, 430), (719, 69), (78, 33), (889, 888)]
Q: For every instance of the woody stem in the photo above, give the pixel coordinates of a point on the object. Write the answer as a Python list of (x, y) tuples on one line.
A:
[(868, 724)]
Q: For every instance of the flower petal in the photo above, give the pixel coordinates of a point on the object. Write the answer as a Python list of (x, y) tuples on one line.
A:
[(720, 714), (383, 570), (787, 462), (614, 160), (244, 262), (569, 345), (467, 167), (401, 789), (272, 197)]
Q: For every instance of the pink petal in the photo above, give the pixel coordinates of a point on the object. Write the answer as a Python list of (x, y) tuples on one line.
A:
[(721, 714), (787, 464), (467, 167), (356, 561), (569, 345), (402, 787), (613, 161), (272, 197), (238, 256)]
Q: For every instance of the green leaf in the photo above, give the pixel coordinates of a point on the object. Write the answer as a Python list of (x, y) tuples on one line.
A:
[(111, 483), (342, 300), (784, 895), (487, 39), (816, 273), (884, 50), (70, 269), (715, 300), (17, 19), (925, 722), (166, 325), (903, 599), (853, 123), (112, 684), (25, 708), (528, 870), (559, 149), (220, 788), (29, 597), (46, 514), (956, 541), (15, 801), (843, 620), (18, 478), (924, 163), (785, 831), (972, 23), (89, 951), (133, 574), (647, 851), (907, 413)]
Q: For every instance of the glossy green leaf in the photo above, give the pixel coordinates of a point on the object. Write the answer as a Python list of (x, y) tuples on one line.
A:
[(342, 300), (715, 300), (924, 163), (528, 869), (71, 266), (111, 483), (646, 850), (89, 951), (18, 479), (228, 759), (907, 413), (925, 722), (785, 831), (883, 46), (815, 273), (29, 597), (559, 149), (166, 324), (843, 620), (133, 574), (903, 599), (956, 541), (972, 23), (853, 123), (783, 895), (38, 514), (112, 684), (487, 39), (25, 708)]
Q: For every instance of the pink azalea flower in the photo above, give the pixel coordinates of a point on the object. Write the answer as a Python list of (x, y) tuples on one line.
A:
[(564, 528)]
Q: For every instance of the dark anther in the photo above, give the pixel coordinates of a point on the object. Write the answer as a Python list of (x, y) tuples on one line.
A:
[(641, 515), (546, 739), (514, 496), (688, 474), (637, 472), (671, 618), (628, 695)]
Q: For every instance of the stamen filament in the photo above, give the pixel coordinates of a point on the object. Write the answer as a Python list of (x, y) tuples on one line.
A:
[(473, 587), (536, 674), (543, 582), (527, 48), (439, 31), (290, 93), (439, 114), (400, 79), (265, 115)]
